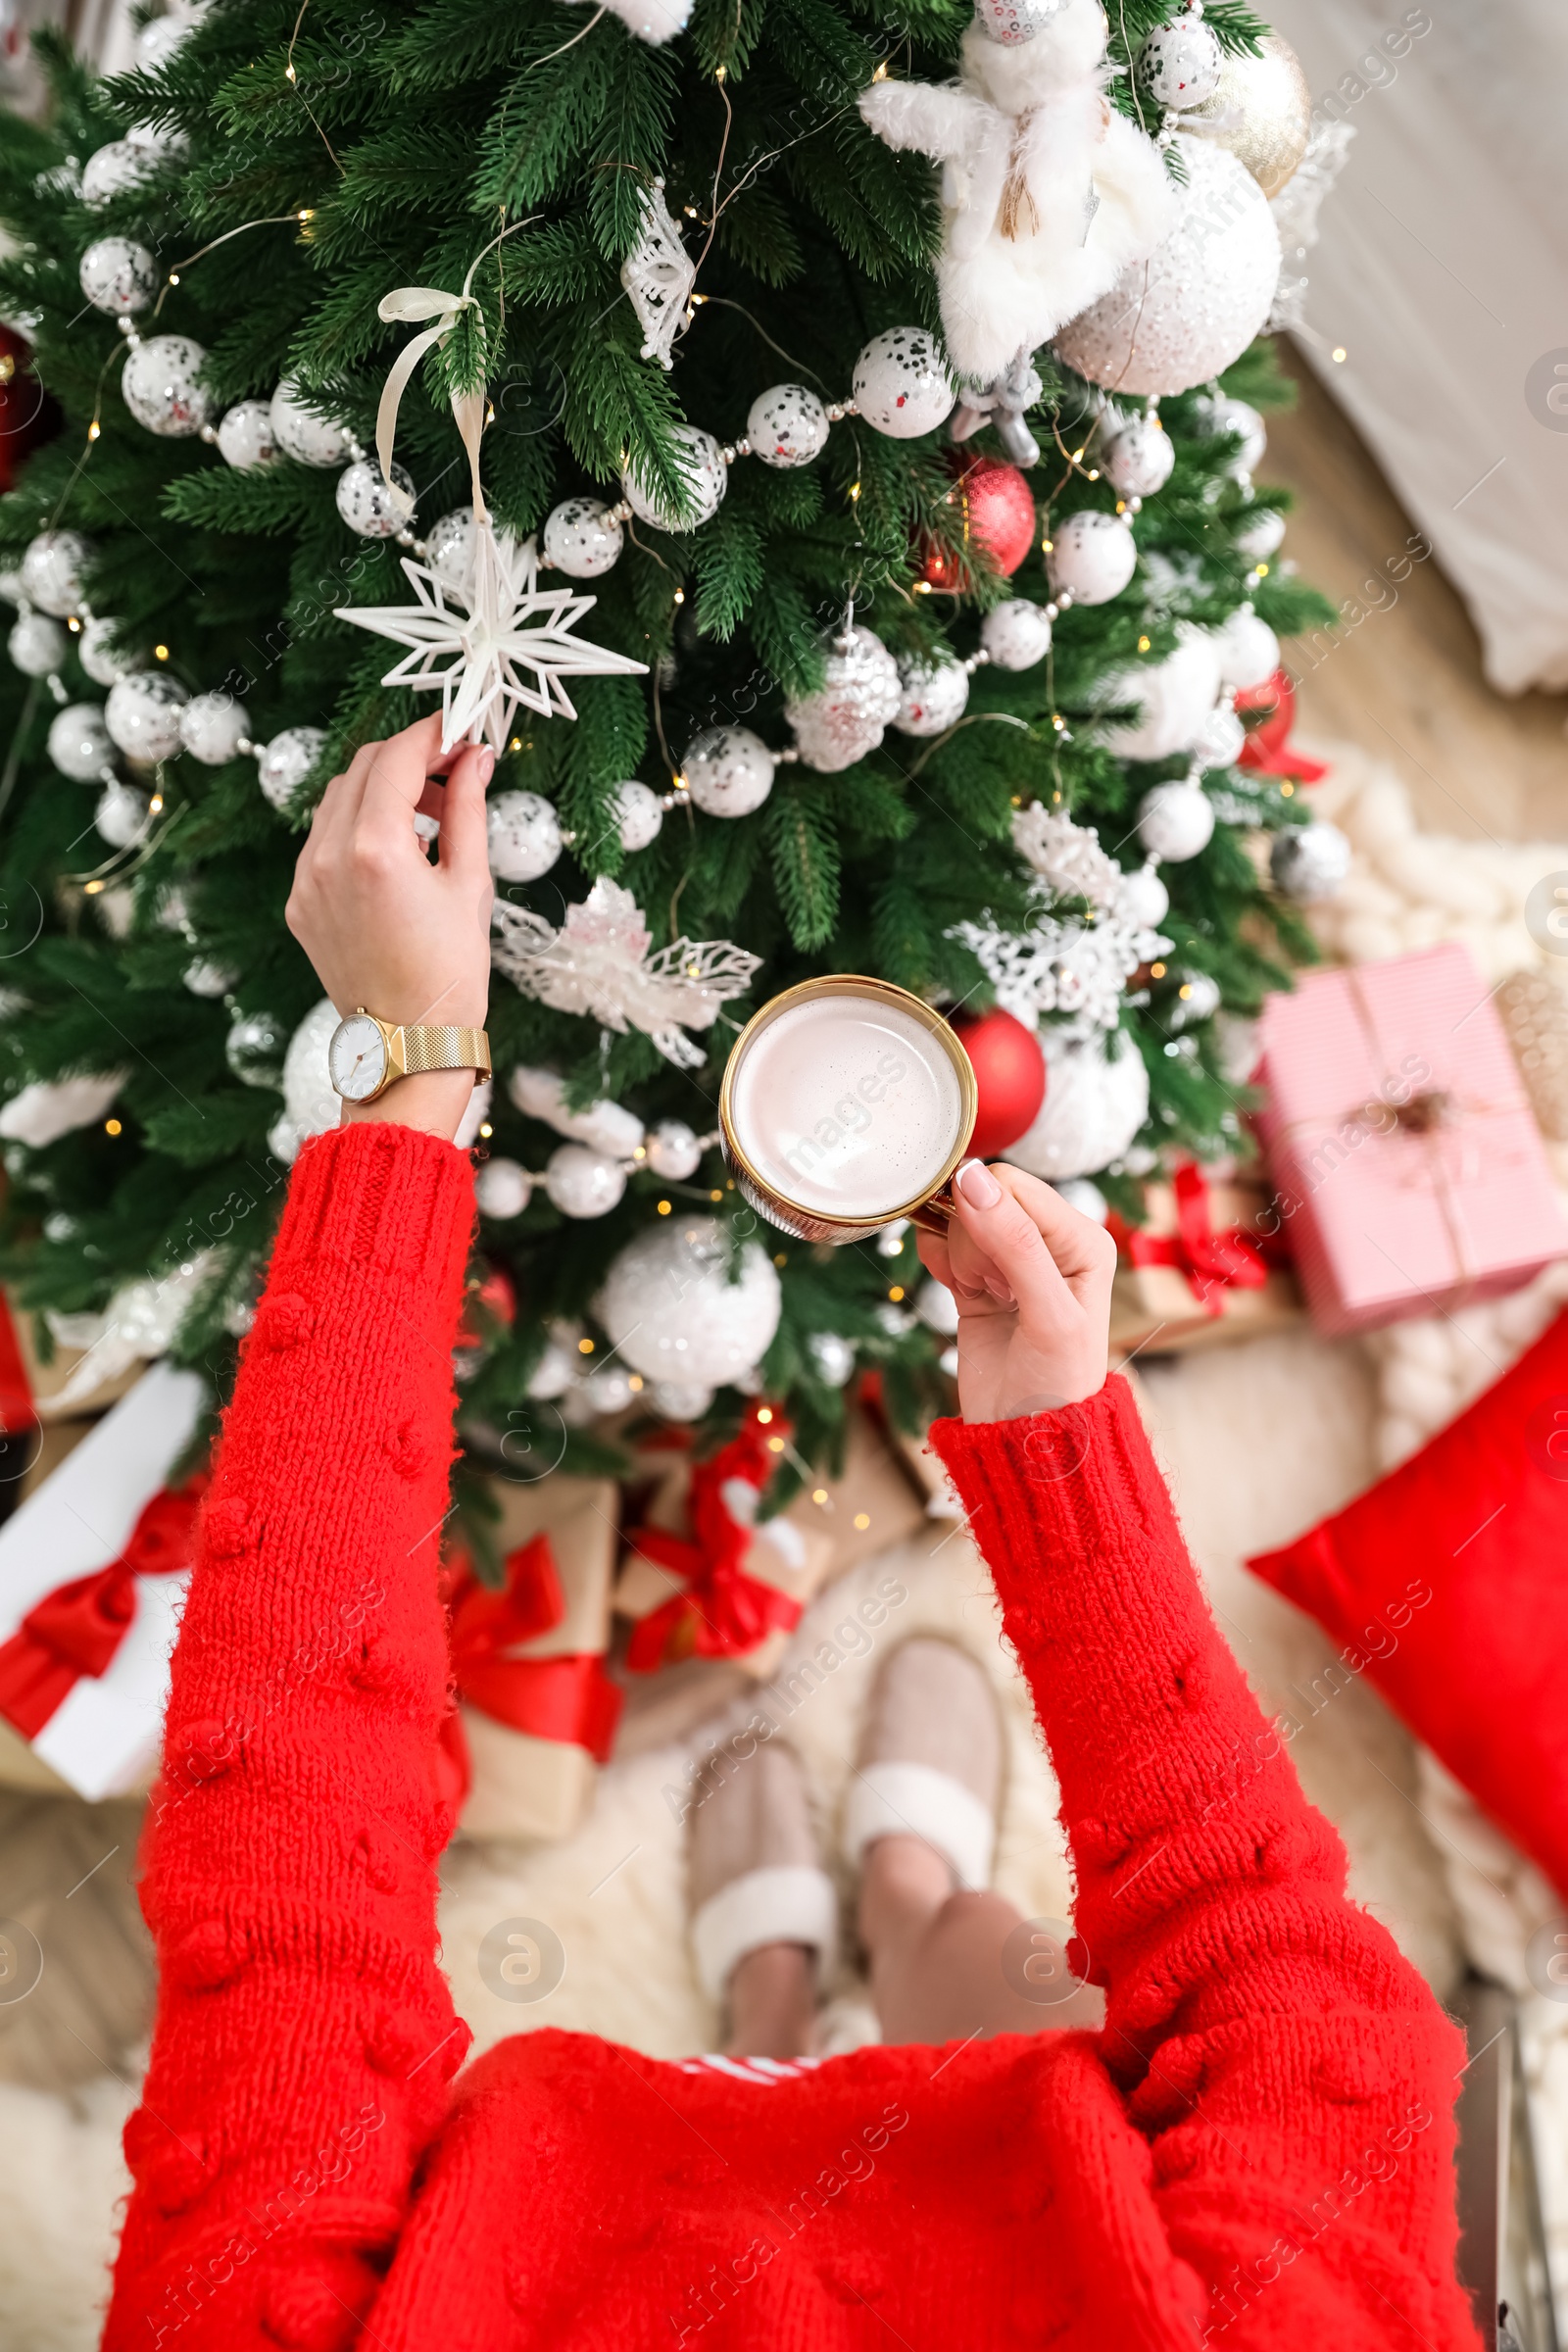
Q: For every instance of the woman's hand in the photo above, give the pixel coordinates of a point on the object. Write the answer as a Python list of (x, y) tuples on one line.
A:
[(1032, 1278), (387, 928)]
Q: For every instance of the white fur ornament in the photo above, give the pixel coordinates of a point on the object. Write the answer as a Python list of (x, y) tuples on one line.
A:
[(1174, 696), (652, 21), (1096, 1099)]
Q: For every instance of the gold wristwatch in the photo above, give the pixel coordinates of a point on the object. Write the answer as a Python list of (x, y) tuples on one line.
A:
[(366, 1055)]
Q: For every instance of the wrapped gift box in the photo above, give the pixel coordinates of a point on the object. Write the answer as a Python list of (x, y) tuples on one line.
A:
[(1410, 1171), (1204, 1268)]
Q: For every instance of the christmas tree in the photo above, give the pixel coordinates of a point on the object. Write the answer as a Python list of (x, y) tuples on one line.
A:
[(844, 615)]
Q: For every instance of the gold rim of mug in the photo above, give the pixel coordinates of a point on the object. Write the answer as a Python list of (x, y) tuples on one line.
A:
[(848, 984)]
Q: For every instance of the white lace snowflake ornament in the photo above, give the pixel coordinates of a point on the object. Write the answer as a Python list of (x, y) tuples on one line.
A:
[(658, 277), (1062, 964), (598, 966)]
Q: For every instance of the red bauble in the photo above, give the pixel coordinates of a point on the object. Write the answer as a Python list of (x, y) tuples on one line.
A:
[(1010, 1071), (998, 511)]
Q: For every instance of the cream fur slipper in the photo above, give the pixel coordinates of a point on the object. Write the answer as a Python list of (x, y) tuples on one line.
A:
[(755, 1876), (930, 1760)]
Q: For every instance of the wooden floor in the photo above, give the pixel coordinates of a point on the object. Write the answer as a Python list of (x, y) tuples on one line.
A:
[(1405, 680)]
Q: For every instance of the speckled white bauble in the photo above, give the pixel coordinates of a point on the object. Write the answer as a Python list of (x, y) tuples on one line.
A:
[(1193, 308), (1175, 821), (120, 815), (1096, 1099), (286, 763), (254, 1049), (1090, 556), (1197, 999), (1220, 743), (787, 426), (448, 546), (582, 1183), (503, 1187), (934, 695), (678, 1400), (99, 656), (832, 1358), (160, 387), (1011, 23), (1179, 64), (1138, 458), (78, 742), (51, 569), (553, 1375), (300, 434), (900, 387), (523, 834), (582, 538), (1142, 899), (1017, 634), (204, 978), (1174, 699), (1309, 862), (937, 1308), (638, 817), (311, 1101), (212, 728), (37, 645), (142, 714), (115, 170), (245, 436), (1249, 649), (118, 276), (728, 772), (673, 1151), (366, 505), (1261, 537), (859, 697), (707, 479), (1219, 414), (672, 1311)]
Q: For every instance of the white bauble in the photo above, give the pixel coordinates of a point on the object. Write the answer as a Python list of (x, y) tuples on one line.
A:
[(118, 277), (638, 815), (554, 1374), (245, 436), (673, 1151), (1017, 634), (672, 1311), (120, 815), (115, 170), (503, 1187), (787, 426), (160, 140), (937, 1308), (609, 1388), (37, 645), (156, 41), (523, 834), (1219, 414), (707, 478), (1179, 64), (1174, 699), (1249, 649), (99, 656), (212, 728), (78, 742), (582, 538), (1138, 459), (934, 697), (857, 699), (311, 1101), (11, 587), (728, 772), (287, 761), (901, 385), (475, 1113), (608, 1127), (1090, 556), (1011, 23), (581, 1183), (832, 1358), (1096, 1099), (283, 1140), (160, 387), (1175, 821), (1261, 537), (51, 569), (205, 978), (50, 1108), (448, 546), (254, 1049), (1193, 306), (303, 435), (1309, 862), (1085, 1196), (142, 714), (1197, 999), (1142, 899), (679, 1400), (1220, 743), (366, 505)]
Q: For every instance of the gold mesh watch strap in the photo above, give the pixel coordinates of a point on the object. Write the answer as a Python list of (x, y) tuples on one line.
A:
[(444, 1049)]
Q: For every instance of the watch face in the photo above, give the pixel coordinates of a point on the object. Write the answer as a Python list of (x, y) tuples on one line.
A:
[(357, 1058)]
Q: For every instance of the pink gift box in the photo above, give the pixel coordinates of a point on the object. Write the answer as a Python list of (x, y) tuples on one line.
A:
[(1409, 1165)]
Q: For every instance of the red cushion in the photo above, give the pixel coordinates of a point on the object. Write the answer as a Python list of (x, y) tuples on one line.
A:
[(1446, 1585)]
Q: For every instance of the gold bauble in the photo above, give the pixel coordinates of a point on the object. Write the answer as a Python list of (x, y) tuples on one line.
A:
[(1269, 95)]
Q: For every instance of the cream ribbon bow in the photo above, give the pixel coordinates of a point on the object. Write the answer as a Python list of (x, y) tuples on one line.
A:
[(411, 304)]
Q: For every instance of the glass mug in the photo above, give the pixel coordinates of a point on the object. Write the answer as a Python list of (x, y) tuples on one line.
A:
[(846, 1103)]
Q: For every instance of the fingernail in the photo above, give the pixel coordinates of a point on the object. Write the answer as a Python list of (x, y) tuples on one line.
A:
[(487, 764), (1001, 1291), (978, 1185)]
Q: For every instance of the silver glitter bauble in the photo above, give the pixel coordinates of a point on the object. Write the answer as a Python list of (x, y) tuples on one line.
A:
[(286, 763), (582, 1183), (1090, 556), (123, 165), (1265, 104), (859, 697), (673, 1313), (204, 978), (503, 1187), (51, 569), (728, 772), (245, 436), (1174, 822), (933, 698), (673, 1151), (99, 656), (1248, 649), (1219, 745), (366, 505), (300, 434), (523, 834), (212, 728), (37, 645), (901, 385), (1261, 537), (448, 546), (706, 475), (160, 388), (254, 1049), (832, 1358), (142, 716), (1013, 21), (638, 816), (1197, 999), (1142, 899), (1179, 64), (787, 426), (1222, 414), (118, 277), (78, 742), (1138, 458), (1017, 634), (1193, 306), (1309, 862), (1096, 1099), (582, 538), (120, 815)]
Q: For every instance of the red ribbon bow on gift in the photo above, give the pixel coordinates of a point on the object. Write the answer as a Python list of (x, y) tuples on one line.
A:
[(724, 1612), (76, 1629), (1212, 1262), (569, 1698), (1266, 750)]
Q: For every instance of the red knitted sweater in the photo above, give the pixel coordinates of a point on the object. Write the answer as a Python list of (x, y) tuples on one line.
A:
[(1257, 2150)]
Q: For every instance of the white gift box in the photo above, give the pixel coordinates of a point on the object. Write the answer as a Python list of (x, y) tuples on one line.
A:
[(103, 1738)]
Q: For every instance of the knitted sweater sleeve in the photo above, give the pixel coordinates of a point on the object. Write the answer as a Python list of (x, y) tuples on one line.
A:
[(1292, 2075), (304, 2033)]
